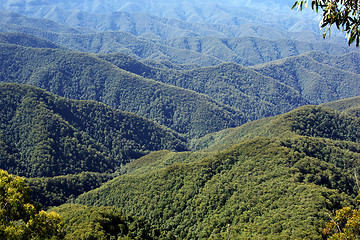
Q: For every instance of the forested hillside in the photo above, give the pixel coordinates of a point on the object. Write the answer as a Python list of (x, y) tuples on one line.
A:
[(83, 222), (45, 135), (251, 93), (262, 90), (26, 40), (319, 77), (86, 77), (57, 190), (278, 186), (181, 119)]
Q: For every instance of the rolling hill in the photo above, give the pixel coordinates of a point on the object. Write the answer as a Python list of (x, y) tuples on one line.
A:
[(43, 135), (232, 93), (86, 77), (319, 77), (278, 183)]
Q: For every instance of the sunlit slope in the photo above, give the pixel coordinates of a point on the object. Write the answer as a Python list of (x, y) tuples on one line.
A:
[(277, 184), (313, 121), (350, 106)]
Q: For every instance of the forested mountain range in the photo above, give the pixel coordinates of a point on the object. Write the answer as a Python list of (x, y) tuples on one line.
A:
[(277, 181), (45, 135), (310, 78), (319, 77), (258, 18), (211, 12), (86, 77), (179, 119), (190, 48), (235, 94), (252, 50), (242, 88), (254, 94)]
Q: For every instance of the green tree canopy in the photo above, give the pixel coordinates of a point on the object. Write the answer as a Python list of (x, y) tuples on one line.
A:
[(344, 14), (19, 219)]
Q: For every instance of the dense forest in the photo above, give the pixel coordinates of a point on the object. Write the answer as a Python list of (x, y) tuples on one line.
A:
[(174, 120), (299, 168), (220, 97), (237, 182), (86, 77), (43, 135), (278, 178), (83, 222)]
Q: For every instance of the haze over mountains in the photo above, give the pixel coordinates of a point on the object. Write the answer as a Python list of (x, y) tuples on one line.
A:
[(185, 118), (194, 34)]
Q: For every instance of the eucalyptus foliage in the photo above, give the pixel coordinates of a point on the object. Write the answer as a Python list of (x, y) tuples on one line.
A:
[(19, 218), (344, 14)]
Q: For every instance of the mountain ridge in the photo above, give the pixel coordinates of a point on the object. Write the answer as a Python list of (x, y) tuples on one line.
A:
[(46, 135), (188, 162), (252, 183), (55, 70), (243, 48), (233, 93)]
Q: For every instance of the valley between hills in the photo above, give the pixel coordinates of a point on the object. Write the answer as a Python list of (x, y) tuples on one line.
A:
[(195, 121)]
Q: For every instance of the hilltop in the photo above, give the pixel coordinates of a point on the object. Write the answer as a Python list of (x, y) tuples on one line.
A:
[(43, 135), (277, 182)]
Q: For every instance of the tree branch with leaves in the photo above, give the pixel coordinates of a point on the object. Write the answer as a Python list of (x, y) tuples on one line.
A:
[(19, 218), (344, 14)]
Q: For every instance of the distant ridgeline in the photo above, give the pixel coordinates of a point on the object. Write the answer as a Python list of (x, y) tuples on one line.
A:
[(194, 102), (45, 135)]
